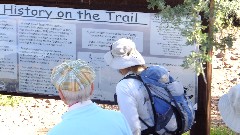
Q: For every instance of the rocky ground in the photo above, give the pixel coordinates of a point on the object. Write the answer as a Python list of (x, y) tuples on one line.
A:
[(37, 116), (33, 118), (225, 74)]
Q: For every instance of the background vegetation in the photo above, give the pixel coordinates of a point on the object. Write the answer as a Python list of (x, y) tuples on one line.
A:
[(218, 130), (9, 100), (209, 24)]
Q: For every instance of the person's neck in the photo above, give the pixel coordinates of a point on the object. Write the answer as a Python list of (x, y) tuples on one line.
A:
[(140, 70), (79, 104), (72, 104)]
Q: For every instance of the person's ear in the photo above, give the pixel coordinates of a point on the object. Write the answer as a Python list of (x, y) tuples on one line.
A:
[(92, 89), (119, 70), (61, 96)]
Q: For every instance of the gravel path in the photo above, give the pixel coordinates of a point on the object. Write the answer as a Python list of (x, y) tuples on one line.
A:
[(33, 118), (225, 74)]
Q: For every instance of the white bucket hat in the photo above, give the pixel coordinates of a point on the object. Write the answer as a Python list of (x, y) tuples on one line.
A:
[(229, 107), (123, 54)]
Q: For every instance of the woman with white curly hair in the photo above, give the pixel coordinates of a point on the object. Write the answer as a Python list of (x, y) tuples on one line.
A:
[(74, 82)]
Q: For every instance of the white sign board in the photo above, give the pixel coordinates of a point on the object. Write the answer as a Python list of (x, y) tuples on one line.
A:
[(34, 39)]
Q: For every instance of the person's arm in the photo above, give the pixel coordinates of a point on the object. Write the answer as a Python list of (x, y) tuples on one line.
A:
[(128, 130), (128, 107)]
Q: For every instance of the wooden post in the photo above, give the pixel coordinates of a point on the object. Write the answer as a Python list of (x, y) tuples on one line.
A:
[(203, 114), (201, 125)]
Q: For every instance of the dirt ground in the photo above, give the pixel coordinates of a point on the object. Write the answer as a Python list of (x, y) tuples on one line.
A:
[(225, 74)]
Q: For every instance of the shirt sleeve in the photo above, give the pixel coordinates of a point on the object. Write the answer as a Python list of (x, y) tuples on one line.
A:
[(128, 106), (128, 129)]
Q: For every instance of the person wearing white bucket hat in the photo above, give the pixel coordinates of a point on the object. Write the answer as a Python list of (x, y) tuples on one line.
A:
[(123, 54), (229, 107), (74, 82), (132, 96)]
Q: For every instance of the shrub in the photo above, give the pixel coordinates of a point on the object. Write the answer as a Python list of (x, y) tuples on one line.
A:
[(221, 130), (9, 100)]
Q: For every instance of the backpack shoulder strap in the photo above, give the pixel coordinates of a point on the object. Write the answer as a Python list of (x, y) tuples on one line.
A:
[(180, 121), (134, 76)]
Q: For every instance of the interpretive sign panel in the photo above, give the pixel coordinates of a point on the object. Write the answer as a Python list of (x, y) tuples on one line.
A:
[(34, 39)]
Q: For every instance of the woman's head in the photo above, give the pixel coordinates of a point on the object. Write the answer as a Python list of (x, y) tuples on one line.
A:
[(73, 80), (123, 54)]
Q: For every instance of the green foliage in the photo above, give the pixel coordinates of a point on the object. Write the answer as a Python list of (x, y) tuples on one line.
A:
[(220, 17), (8, 100), (221, 131), (218, 130)]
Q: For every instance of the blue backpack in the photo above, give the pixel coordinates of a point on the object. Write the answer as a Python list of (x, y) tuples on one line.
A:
[(168, 99)]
